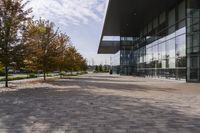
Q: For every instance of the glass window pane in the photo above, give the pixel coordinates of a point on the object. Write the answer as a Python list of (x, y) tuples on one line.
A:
[(181, 31), (171, 21), (181, 24), (171, 17), (162, 18), (195, 13), (149, 27), (194, 68), (189, 41), (145, 30), (172, 63), (195, 49), (193, 3), (196, 43), (181, 15), (180, 46), (171, 30), (181, 11), (195, 39), (155, 52), (163, 63), (170, 48), (155, 23)]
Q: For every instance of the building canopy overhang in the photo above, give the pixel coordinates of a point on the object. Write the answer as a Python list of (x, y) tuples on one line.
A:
[(126, 18)]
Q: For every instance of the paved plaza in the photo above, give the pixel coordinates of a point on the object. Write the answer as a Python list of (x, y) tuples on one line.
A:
[(100, 103)]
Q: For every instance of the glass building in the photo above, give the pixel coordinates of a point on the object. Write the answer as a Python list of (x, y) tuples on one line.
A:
[(156, 38)]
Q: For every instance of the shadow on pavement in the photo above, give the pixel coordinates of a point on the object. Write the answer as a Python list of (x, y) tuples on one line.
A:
[(110, 84), (63, 107)]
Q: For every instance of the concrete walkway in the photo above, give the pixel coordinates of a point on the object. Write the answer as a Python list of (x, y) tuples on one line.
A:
[(99, 103)]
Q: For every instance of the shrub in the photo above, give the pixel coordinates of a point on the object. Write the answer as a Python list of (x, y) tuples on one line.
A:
[(83, 73), (32, 75)]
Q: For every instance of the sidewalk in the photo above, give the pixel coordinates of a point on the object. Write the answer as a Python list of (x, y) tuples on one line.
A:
[(99, 103)]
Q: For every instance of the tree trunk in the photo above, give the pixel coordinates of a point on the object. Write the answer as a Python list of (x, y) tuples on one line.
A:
[(44, 75), (44, 68), (60, 73), (6, 79), (6, 60)]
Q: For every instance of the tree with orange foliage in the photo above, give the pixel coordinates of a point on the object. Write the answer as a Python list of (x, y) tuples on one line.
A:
[(40, 45)]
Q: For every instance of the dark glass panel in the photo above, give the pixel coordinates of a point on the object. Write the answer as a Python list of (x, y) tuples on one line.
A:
[(194, 4), (171, 21), (195, 43), (181, 11), (181, 62), (194, 68), (162, 18)]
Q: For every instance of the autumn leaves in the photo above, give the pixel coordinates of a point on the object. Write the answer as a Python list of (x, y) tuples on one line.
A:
[(34, 44)]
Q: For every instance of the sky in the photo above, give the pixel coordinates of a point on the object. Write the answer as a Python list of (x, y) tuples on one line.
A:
[(82, 20)]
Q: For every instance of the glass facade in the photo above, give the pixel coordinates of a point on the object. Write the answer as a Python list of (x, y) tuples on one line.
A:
[(168, 45), (115, 63), (193, 40), (126, 55)]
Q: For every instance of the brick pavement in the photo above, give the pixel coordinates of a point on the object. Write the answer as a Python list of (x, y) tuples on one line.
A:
[(100, 103)]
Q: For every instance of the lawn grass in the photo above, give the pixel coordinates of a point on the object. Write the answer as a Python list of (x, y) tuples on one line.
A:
[(17, 78), (32, 76)]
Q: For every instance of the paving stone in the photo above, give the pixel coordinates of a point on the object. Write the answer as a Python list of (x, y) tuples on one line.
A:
[(99, 103)]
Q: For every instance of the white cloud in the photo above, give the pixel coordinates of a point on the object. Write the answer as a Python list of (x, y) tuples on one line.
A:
[(80, 19), (68, 11), (101, 7)]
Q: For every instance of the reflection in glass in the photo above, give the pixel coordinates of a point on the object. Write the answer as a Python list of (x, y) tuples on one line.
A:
[(180, 46)]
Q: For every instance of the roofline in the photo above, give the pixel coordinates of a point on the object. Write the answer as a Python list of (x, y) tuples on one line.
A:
[(104, 21)]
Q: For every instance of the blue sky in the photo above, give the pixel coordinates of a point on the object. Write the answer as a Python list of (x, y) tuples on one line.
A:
[(82, 20)]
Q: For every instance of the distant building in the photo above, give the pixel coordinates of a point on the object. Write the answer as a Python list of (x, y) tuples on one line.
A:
[(155, 38)]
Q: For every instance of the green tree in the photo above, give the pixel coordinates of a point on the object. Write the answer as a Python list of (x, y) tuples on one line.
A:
[(100, 68), (61, 42), (40, 46), (12, 19), (1, 69), (74, 61), (83, 65), (70, 59), (96, 68), (106, 68)]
